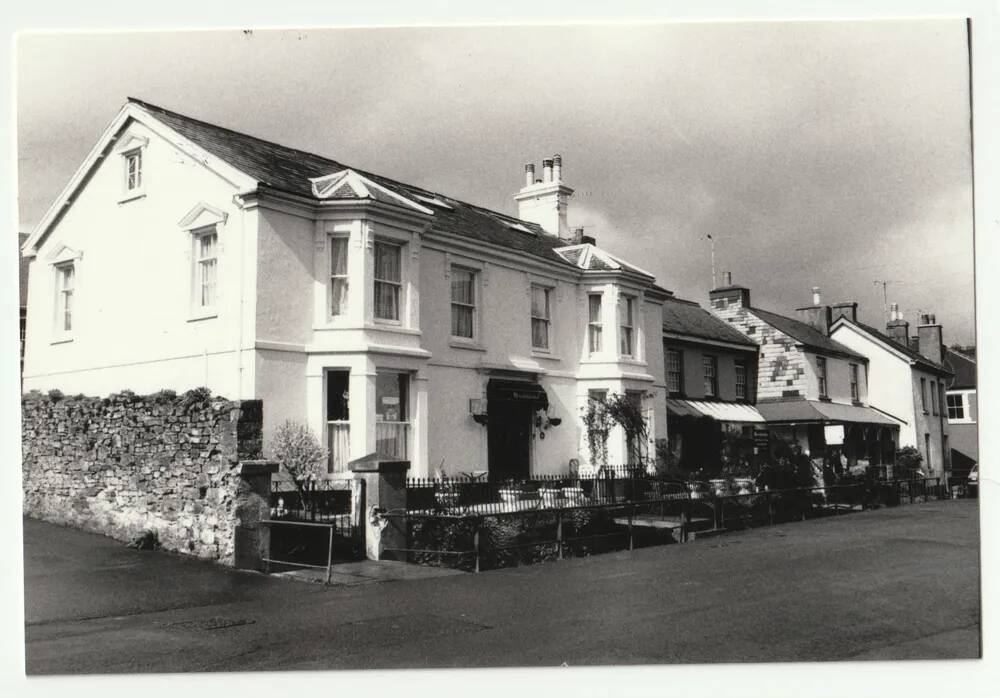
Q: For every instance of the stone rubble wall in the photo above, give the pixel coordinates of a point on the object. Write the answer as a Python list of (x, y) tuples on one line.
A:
[(127, 464)]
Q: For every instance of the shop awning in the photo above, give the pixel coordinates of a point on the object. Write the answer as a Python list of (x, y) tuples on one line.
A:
[(824, 412), (719, 411)]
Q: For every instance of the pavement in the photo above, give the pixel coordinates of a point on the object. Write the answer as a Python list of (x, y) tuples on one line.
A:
[(899, 583)]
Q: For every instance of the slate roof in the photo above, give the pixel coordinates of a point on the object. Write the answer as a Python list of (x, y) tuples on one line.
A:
[(289, 170), (806, 335), (687, 318), (23, 272), (914, 356), (963, 367)]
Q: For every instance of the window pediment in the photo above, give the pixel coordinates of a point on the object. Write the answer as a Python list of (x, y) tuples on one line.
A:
[(131, 142), (348, 184), (202, 216), (63, 254)]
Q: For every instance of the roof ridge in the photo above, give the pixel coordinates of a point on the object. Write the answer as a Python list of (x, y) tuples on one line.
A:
[(366, 173)]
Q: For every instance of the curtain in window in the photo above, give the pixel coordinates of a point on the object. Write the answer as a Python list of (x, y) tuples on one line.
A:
[(462, 303), (539, 317), (387, 281), (339, 437), (338, 275), (68, 278), (595, 327)]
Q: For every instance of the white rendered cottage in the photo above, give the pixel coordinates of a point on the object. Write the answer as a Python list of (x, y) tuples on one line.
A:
[(389, 318)]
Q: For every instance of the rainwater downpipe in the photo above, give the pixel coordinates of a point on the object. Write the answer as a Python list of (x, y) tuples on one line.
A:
[(238, 200)]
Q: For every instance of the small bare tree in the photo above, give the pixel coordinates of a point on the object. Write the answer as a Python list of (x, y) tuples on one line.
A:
[(299, 454)]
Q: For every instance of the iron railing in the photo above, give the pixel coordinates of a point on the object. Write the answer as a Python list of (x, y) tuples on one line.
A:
[(465, 540)]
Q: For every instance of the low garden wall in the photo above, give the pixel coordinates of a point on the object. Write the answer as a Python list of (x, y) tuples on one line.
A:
[(128, 464)]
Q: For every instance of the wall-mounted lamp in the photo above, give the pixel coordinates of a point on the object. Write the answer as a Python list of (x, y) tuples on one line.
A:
[(477, 407)]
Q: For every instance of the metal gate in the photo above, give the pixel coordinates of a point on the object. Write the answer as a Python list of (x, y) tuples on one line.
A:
[(315, 527)]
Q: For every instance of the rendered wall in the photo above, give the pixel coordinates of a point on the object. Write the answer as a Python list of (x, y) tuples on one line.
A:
[(133, 325), (127, 464)]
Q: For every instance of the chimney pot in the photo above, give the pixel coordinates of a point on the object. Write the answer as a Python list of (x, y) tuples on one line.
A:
[(727, 278), (894, 312), (529, 174), (547, 170), (557, 168), (816, 297)]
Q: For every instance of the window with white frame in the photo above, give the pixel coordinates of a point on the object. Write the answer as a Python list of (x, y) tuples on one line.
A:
[(710, 365), (388, 280), (206, 267), (595, 329), (392, 416), (855, 392), (741, 379), (463, 303), (675, 371), (821, 375), (65, 287), (133, 170), (338, 275), (934, 398), (626, 309), (540, 318), (923, 394), (956, 406)]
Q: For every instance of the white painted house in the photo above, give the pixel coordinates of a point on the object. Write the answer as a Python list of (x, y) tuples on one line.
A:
[(906, 379), (389, 318)]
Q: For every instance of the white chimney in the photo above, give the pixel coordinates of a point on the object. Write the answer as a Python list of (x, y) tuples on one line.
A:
[(546, 170), (545, 201), (816, 297)]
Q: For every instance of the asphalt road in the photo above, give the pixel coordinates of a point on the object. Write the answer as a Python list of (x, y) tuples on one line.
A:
[(889, 584)]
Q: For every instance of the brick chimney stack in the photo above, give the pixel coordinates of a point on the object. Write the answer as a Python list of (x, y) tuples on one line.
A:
[(728, 295), (929, 338), (817, 315), (897, 328)]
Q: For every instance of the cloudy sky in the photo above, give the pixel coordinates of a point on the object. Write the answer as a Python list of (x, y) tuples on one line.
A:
[(826, 154)]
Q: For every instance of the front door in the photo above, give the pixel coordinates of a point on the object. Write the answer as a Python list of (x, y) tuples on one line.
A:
[(509, 437)]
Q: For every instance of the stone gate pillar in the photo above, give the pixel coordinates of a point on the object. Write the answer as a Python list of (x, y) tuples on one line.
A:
[(384, 490), (252, 537)]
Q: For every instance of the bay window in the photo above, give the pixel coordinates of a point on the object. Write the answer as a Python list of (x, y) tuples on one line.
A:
[(388, 281), (594, 326), (392, 396), (626, 308), (338, 275), (338, 420)]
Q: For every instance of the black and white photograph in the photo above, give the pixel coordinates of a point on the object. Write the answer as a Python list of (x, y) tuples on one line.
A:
[(540, 345)]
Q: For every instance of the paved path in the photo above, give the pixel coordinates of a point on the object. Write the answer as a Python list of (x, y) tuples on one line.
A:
[(887, 584)]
